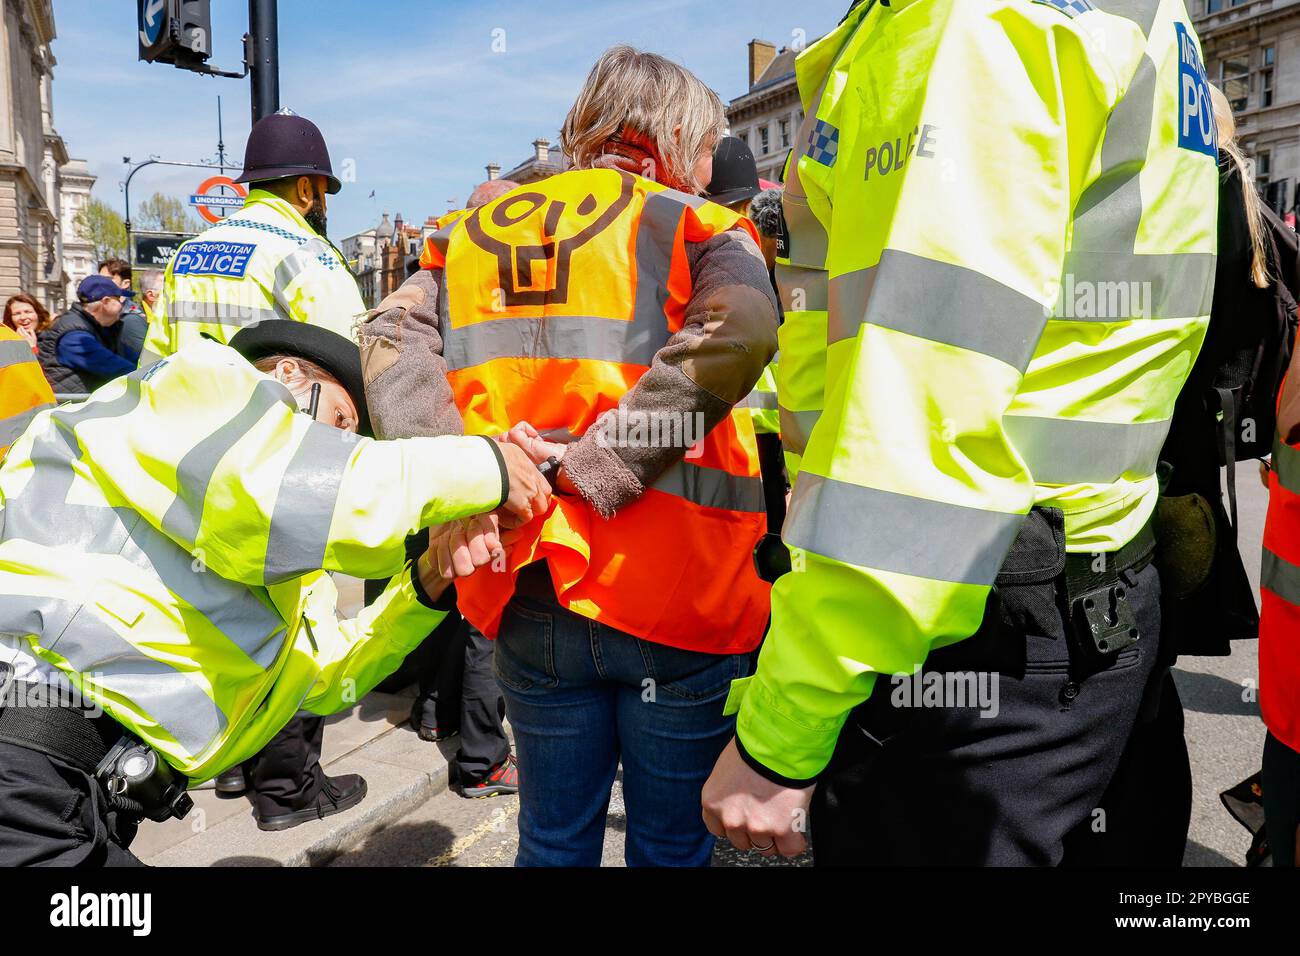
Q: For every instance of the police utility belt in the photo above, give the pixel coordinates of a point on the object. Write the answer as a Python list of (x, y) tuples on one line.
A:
[(139, 783), (1101, 622)]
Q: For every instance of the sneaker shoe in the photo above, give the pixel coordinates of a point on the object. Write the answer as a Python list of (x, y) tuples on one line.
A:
[(339, 794), (502, 779)]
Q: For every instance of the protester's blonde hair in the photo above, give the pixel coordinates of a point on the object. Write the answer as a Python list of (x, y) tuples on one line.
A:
[(1227, 130), (631, 92)]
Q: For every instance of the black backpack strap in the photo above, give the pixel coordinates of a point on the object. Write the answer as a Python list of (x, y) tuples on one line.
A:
[(1227, 425)]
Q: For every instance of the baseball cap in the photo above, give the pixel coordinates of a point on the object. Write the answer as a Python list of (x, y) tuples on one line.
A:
[(94, 288)]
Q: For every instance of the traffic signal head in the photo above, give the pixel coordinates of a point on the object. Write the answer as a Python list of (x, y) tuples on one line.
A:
[(175, 31)]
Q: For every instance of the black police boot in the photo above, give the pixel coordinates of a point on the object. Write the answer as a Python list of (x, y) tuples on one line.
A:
[(338, 794), (231, 782)]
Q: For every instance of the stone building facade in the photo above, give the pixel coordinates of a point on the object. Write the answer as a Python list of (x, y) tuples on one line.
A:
[(1252, 53), (34, 229), (768, 115)]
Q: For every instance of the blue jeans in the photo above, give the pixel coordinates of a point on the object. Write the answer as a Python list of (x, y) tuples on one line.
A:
[(581, 697)]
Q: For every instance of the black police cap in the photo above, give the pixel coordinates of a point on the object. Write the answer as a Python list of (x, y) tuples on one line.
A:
[(331, 351)]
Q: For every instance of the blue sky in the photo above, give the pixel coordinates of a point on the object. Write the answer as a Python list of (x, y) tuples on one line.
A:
[(412, 93)]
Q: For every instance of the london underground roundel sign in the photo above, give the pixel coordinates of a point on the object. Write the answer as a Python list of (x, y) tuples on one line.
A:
[(218, 197)]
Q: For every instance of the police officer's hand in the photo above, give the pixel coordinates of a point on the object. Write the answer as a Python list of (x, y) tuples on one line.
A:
[(530, 495), (753, 812), (458, 548), (534, 445)]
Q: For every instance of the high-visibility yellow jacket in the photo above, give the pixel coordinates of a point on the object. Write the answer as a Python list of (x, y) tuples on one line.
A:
[(1018, 205), (802, 283), (762, 403), (263, 263), (23, 388), (163, 546)]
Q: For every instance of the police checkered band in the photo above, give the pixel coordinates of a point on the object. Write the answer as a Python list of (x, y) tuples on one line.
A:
[(823, 143), (1071, 8), (325, 260)]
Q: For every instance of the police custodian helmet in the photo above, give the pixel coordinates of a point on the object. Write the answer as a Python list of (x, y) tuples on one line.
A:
[(286, 144)]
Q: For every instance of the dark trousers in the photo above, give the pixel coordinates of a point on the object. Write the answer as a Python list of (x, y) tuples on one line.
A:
[(453, 667), (52, 814), (483, 741), (1281, 782), (287, 774), (459, 690), (1036, 784)]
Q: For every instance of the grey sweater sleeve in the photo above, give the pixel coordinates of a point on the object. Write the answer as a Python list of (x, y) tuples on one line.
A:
[(407, 389), (728, 338)]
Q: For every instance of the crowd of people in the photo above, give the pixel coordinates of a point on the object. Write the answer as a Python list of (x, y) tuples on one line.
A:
[(98, 338), (915, 585)]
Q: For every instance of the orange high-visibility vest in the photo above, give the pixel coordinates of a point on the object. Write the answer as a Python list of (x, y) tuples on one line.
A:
[(557, 297), (23, 389), (1279, 616)]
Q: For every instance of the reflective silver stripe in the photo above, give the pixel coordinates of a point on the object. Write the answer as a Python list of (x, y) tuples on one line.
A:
[(1286, 462), (1107, 215), (15, 425), (1280, 576), (759, 399), (297, 262), (442, 237), (77, 634), (801, 289), (808, 239), (596, 338), (195, 470), (42, 515), (15, 353), (550, 337), (148, 359), (937, 301), (1141, 12), (805, 234), (888, 531), (712, 488), (656, 237), (1118, 286), (796, 427), (1065, 451), (243, 615), (223, 313), (305, 503)]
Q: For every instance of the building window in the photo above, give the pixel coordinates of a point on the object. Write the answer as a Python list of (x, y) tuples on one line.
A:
[(785, 134), (743, 136), (1266, 57), (764, 142), (1263, 170), (1234, 80)]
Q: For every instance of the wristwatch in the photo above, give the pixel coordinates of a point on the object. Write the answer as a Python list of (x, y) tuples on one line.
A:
[(549, 469)]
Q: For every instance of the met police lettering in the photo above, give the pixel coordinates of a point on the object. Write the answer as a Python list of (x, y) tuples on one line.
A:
[(213, 259), (1196, 129)]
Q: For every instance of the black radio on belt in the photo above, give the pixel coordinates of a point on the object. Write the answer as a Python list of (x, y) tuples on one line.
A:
[(141, 783)]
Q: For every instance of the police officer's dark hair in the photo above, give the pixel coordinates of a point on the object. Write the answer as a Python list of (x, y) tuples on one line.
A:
[(765, 211), (309, 368), (283, 187)]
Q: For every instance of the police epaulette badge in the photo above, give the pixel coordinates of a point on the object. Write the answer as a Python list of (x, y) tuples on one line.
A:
[(1071, 8)]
